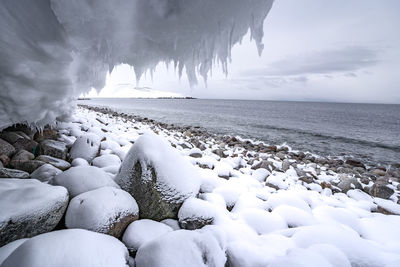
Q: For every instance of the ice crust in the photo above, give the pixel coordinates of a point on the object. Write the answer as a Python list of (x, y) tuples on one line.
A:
[(54, 50)]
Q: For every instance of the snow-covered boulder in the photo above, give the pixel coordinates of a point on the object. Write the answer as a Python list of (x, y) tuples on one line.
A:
[(45, 173), (106, 161), (194, 249), (6, 250), (81, 179), (69, 248), (13, 173), (29, 208), (158, 177), (86, 146), (58, 163), (196, 213), (140, 232), (106, 210)]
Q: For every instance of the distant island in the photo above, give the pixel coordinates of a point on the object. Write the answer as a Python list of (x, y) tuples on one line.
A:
[(166, 97)]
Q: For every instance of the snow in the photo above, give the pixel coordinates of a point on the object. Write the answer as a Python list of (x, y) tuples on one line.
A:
[(262, 221), (6, 250), (85, 147), (82, 179), (172, 179), (194, 208), (69, 248), (98, 210), (23, 198), (106, 161), (62, 48), (143, 231), (193, 247), (45, 173), (388, 205)]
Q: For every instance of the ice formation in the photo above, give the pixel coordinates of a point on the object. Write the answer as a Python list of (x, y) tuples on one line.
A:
[(53, 50)]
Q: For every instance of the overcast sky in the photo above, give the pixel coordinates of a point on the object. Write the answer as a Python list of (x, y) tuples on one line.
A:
[(315, 50)]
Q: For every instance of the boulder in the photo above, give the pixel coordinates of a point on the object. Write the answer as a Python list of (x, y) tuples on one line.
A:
[(12, 173), (381, 191), (196, 213), (158, 177), (194, 249), (29, 208), (5, 160), (87, 146), (143, 231), (347, 184), (70, 248), (56, 162), (53, 148), (45, 173), (81, 179), (355, 163), (105, 210), (6, 148), (6, 250), (106, 161), (20, 140), (46, 134), (23, 160)]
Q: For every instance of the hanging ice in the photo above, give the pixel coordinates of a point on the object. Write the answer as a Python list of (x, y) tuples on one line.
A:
[(53, 50)]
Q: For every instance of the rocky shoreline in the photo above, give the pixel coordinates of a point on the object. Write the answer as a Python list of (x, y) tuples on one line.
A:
[(131, 184), (373, 180)]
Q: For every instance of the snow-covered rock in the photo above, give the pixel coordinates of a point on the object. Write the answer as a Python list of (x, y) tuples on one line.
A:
[(196, 213), (105, 210), (82, 179), (194, 249), (29, 208), (13, 173), (79, 162), (158, 177), (53, 148), (69, 248), (140, 232), (58, 163), (6, 250), (106, 161), (45, 173), (86, 146)]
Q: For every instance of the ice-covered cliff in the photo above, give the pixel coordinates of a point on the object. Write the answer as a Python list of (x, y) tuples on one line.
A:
[(53, 50)]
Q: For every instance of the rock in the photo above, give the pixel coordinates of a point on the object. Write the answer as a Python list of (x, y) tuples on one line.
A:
[(261, 174), (106, 160), (196, 155), (195, 213), (347, 184), (158, 177), (355, 163), (6, 250), (29, 207), (6, 148), (23, 160), (70, 248), (86, 146), (174, 224), (381, 191), (1, 164), (19, 140), (45, 173), (56, 162), (82, 179), (285, 165), (194, 248), (53, 148), (12, 173), (219, 152), (281, 155), (46, 134), (307, 179), (378, 172), (105, 210), (269, 149), (143, 231), (79, 162), (5, 160), (265, 164), (30, 132)]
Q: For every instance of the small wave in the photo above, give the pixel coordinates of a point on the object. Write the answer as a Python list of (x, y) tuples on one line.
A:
[(342, 139)]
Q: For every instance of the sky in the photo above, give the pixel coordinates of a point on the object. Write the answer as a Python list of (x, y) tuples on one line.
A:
[(315, 50)]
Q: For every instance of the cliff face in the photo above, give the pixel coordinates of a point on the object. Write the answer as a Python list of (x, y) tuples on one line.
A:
[(53, 50)]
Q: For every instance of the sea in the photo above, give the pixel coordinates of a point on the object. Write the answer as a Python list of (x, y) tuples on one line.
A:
[(369, 132)]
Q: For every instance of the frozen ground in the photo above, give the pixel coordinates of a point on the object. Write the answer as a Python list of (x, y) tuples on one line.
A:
[(253, 216)]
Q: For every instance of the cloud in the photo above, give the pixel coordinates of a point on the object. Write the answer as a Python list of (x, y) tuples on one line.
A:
[(329, 62)]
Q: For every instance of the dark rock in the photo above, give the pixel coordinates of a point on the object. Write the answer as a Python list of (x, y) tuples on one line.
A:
[(58, 163), (196, 155), (281, 155), (53, 148), (12, 173), (378, 172), (20, 140), (285, 165), (264, 164), (347, 184), (6, 148), (20, 157), (268, 149), (365, 180), (190, 218), (4, 160), (46, 134), (29, 207), (30, 132), (219, 152), (306, 179), (381, 191), (272, 186), (355, 163)]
